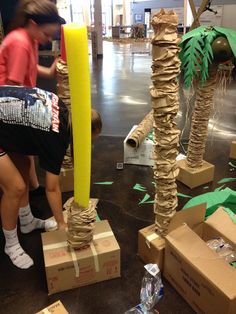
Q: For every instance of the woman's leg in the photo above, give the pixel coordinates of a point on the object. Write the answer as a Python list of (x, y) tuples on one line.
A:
[(34, 183), (28, 222), (13, 187), (35, 188)]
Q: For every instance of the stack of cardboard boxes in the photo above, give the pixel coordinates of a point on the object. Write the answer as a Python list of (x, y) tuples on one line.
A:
[(204, 280)]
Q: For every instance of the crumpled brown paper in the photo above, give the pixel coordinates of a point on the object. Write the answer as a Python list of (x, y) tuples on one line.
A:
[(136, 138), (63, 92), (165, 103), (80, 222), (199, 127)]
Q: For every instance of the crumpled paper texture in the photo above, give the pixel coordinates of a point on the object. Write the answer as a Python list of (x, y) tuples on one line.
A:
[(165, 104), (201, 114), (140, 133), (80, 222), (63, 92)]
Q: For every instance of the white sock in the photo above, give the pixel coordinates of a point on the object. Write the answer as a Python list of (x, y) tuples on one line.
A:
[(29, 223), (14, 250)]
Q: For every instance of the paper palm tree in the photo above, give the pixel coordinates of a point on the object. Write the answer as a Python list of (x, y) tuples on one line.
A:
[(202, 50)]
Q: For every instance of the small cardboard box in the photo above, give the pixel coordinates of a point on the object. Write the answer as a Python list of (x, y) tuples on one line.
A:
[(205, 281), (233, 150), (193, 177), (67, 179), (67, 268), (55, 308), (143, 155), (151, 246)]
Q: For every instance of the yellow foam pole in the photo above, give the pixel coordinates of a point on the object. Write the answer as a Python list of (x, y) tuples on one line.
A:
[(76, 43)]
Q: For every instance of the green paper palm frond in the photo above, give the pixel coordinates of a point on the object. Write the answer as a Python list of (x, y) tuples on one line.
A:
[(191, 55), (196, 51), (194, 32), (207, 55)]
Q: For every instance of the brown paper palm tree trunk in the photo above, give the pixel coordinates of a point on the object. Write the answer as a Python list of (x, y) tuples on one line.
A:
[(200, 119), (165, 103)]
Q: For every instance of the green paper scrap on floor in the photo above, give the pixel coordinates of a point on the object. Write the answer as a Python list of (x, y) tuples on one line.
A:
[(224, 197), (183, 195), (226, 180), (144, 200), (104, 183), (139, 187)]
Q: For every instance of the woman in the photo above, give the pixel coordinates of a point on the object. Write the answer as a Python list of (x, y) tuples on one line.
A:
[(36, 22), (32, 122)]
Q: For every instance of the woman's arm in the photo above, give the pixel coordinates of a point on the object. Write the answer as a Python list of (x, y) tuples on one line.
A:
[(47, 72), (53, 193)]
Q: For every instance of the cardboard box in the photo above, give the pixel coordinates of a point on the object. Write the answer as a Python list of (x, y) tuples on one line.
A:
[(143, 155), (233, 150), (55, 308), (67, 268), (151, 246), (67, 179), (204, 280), (193, 177)]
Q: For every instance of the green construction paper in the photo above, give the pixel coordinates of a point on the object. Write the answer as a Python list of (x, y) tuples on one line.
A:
[(233, 264), (139, 187), (194, 32), (183, 195), (231, 214), (197, 44), (150, 202), (104, 183), (232, 165), (97, 218), (232, 198), (150, 135), (225, 197), (225, 180), (219, 188), (146, 197)]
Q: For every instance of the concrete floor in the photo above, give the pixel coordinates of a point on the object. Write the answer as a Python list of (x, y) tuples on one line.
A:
[(120, 92)]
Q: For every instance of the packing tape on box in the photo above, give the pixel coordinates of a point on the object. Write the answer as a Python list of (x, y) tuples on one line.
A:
[(72, 251), (95, 257), (75, 262), (150, 238), (103, 235)]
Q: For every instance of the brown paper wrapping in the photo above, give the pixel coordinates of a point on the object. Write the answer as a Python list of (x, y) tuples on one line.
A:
[(63, 91), (200, 119), (140, 133), (80, 223), (165, 103)]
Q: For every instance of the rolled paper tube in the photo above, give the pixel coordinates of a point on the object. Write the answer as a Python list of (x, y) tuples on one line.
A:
[(140, 133), (76, 43), (63, 48)]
